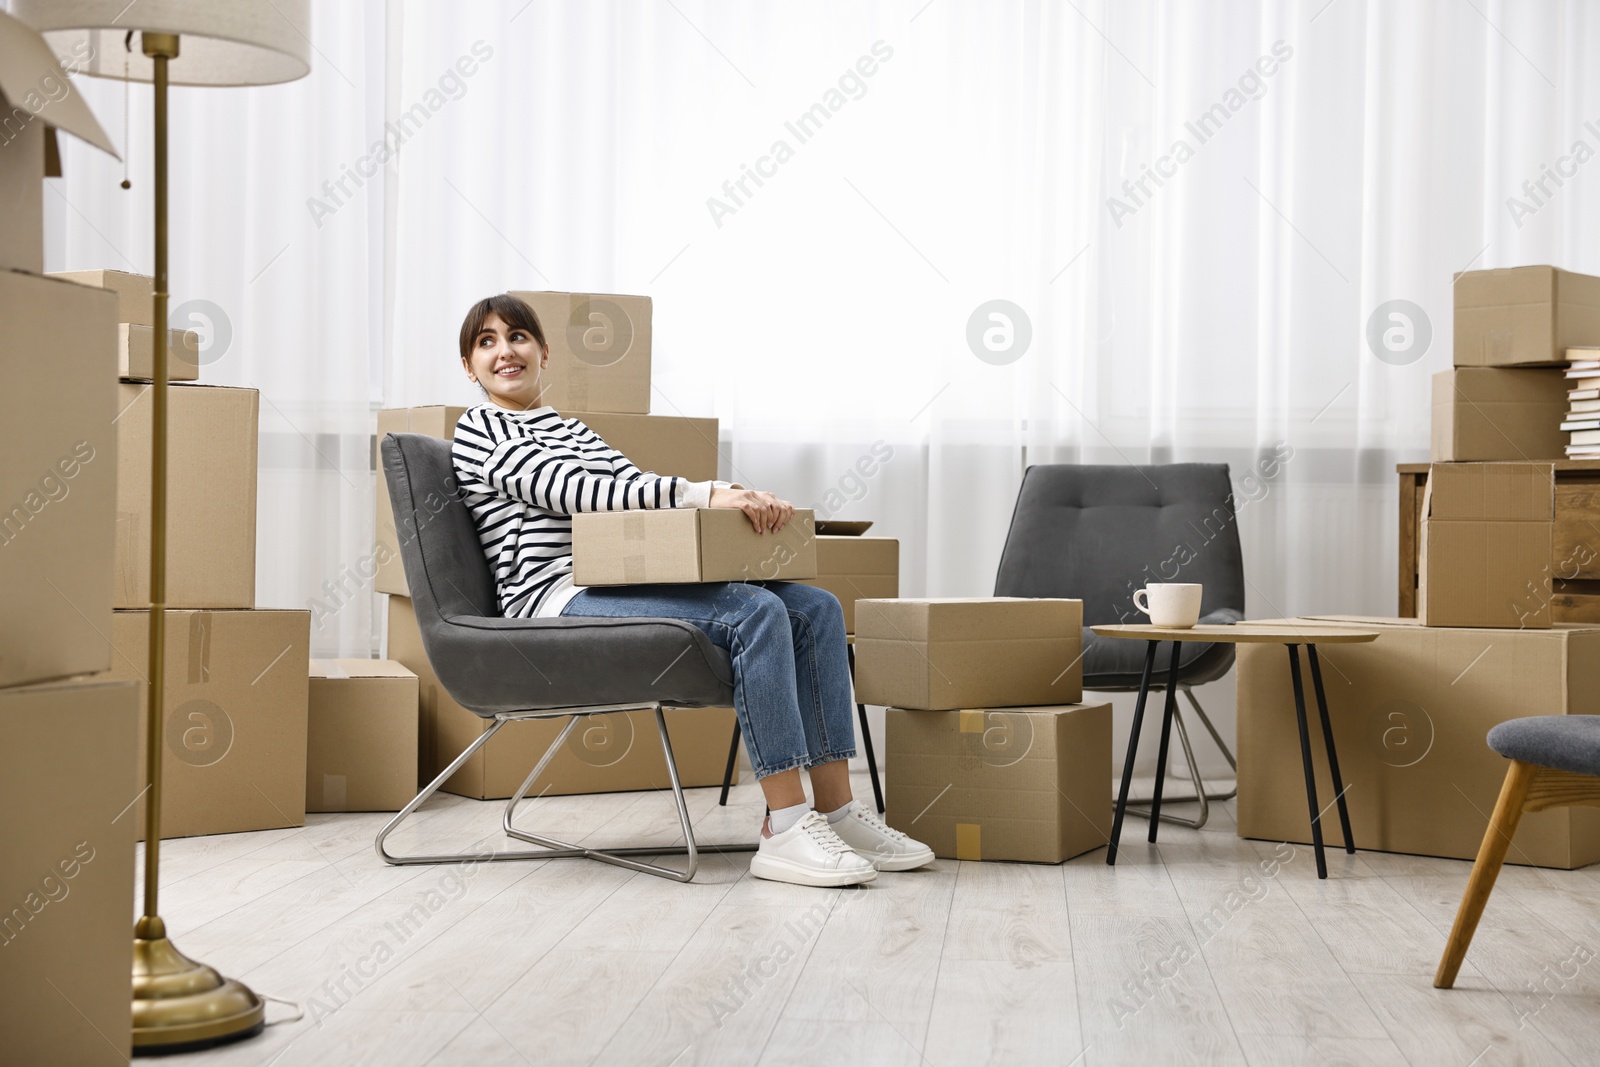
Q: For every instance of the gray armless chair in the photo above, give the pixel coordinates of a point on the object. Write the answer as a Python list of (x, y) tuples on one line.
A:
[(1099, 534), (507, 670)]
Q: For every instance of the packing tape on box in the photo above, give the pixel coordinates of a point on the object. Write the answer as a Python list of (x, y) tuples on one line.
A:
[(971, 721), (333, 790), (1500, 345), (969, 840), (633, 528), (633, 568), (578, 386), (199, 647)]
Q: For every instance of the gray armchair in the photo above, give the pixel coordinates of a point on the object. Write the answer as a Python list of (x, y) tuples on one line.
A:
[(511, 669), (1100, 533)]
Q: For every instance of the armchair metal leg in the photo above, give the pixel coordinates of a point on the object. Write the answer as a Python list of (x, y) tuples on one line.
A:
[(1201, 796), (560, 849)]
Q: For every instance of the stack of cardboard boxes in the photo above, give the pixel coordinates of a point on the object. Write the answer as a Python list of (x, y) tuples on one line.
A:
[(236, 684), (68, 729), (599, 373), (990, 755), (1411, 710)]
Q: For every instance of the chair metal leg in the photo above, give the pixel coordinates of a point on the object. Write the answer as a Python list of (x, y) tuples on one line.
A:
[(1169, 708), (1491, 856), (733, 760), (1200, 793), (560, 849)]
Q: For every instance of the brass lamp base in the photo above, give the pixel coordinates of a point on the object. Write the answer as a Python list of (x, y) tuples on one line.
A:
[(180, 1005)]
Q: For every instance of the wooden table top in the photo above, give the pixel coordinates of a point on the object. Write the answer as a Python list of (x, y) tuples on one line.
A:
[(1244, 633)]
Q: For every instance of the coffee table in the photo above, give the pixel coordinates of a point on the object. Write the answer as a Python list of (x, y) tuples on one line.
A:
[(1291, 636)]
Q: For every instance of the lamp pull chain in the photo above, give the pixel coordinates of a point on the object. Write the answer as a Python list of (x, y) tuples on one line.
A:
[(127, 47)]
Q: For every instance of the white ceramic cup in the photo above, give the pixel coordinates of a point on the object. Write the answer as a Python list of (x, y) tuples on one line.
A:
[(1171, 604)]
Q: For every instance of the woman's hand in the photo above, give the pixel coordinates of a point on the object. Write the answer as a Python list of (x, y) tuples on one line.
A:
[(765, 511)]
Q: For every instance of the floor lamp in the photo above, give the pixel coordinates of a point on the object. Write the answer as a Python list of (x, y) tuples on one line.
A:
[(179, 1004)]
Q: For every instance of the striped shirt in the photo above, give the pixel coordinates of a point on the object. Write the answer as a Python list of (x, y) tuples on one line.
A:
[(523, 474)]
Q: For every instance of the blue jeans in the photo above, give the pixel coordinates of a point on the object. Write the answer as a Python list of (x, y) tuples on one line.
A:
[(791, 677)]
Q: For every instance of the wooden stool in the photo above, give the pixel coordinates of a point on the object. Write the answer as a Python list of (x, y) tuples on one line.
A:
[(1555, 761)]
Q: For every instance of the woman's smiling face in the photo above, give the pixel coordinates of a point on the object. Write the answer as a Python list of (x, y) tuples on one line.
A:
[(507, 361)]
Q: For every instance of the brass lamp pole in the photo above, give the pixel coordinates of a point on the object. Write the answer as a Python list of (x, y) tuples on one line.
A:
[(178, 1004)]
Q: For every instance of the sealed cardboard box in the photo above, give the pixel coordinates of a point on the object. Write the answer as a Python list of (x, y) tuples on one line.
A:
[(1523, 316), (1029, 784), (1486, 538), (1410, 713), (58, 479), (136, 354), (940, 654), (605, 754), (68, 751), (1488, 413), (658, 545), (599, 350), (21, 195), (361, 735), (857, 568), (235, 716), (135, 292), (663, 444), (211, 495)]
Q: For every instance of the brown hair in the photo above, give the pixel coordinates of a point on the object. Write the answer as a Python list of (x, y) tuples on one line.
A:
[(513, 311)]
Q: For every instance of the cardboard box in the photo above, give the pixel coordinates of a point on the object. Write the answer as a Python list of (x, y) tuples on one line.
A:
[(211, 495), (940, 654), (1523, 316), (1488, 413), (58, 478), (660, 443), (135, 292), (1410, 712), (856, 568), (35, 100), (1029, 784), (1486, 538), (599, 350), (235, 702), (68, 751), (21, 194), (361, 736), (608, 754), (663, 545), (136, 354)]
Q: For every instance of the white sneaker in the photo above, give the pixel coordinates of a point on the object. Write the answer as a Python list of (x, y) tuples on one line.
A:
[(887, 848), (810, 853)]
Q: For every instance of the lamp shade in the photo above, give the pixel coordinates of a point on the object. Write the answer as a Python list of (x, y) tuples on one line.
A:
[(221, 42)]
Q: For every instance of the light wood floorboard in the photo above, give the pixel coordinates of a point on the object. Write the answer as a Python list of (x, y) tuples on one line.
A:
[(1201, 948)]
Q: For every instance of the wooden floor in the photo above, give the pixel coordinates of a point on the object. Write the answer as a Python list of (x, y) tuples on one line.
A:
[(1186, 952)]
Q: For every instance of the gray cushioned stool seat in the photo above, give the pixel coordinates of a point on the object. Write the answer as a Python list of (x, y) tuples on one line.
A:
[(1561, 742)]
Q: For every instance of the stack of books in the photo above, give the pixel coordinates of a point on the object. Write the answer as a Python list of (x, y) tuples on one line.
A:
[(1583, 403)]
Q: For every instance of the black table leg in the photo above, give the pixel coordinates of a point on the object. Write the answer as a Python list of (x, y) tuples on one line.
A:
[(733, 757), (1166, 734), (1305, 756), (866, 734), (1333, 756), (1133, 749), (872, 761)]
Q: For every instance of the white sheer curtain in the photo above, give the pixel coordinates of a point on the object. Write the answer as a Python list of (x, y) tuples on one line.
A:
[(1351, 154)]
